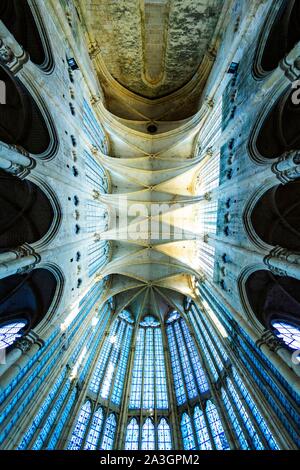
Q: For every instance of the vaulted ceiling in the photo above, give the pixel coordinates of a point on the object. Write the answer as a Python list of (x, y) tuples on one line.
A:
[(153, 58), (152, 47)]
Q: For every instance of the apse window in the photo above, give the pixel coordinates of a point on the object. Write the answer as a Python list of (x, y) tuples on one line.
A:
[(288, 333), (9, 333)]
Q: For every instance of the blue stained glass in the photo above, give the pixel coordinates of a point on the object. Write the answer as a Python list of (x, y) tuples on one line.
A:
[(160, 372), (176, 369), (201, 430), (172, 317), (94, 431), (112, 363), (256, 442), (109, 432), (199, 372), (164, 435), (100, 367), (216, 427), (80, 427), (187, 433), (62, 421), (256, 413), (148, 390), (185, 362), (207, 354), (148, 435), (41, 413), (289, 334), (95, 174), (235, 422), (122, 367), (137, 372), (149, 321), (132, 435), (9, 333), (125, 315)]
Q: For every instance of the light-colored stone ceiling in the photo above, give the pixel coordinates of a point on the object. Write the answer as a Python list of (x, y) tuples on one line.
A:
[(154, 255), (152, 47), (158, 49)]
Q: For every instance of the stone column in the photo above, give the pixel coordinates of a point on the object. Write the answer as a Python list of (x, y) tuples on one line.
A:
[(15, 161), (283, 263), (11, 53), (18, 266), (269, 339), (287, 168)]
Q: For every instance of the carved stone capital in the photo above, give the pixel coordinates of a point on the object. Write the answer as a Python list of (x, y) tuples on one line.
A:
[(12, 59), (269, 339), (287, 168)]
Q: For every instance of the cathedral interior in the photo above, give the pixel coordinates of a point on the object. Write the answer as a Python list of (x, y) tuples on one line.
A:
[(149, 278)]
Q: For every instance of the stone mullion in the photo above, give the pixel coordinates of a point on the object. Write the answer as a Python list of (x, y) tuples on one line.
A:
[(83, 392), (199, 392), (235, 359), (154, 390), (207, 367), (249, 412), (211, 337), (124, 407), (188, 408), (213, 388), (173, 416), (41, 425), (142, 391), (9, 398), (239, 418), (99, 401), (286, 439)]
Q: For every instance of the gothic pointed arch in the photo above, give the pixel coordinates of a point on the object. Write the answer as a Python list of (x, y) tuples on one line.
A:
[(27, 214), (23, 122), (22, 18), (273, 298), (25, 300), (272, 216), (279, 35), (276, 130)]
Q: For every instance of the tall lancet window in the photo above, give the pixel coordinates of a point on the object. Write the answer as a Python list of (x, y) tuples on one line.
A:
[(149, 383), (200, 422), (148, 392), (108, 378), (189, 377), (204, 429), (81, 426)]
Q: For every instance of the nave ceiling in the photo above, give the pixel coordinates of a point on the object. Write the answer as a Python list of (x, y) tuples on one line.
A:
[(152, 58)]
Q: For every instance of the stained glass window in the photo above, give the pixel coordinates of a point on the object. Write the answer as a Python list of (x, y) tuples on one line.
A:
[(187, 433), (80, 427), (235, 422), (132, 435), (255, 411), (201, 430), (185, 362), (164, 435), (256, 442), (289, 334), (148, 435), (149, 368), (94, 431), (137, 372), (109, 432), (111, 367), (176, 368), (9, 333), (216, 427)]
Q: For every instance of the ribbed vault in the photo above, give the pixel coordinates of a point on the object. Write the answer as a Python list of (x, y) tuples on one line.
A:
[(154, 209)]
